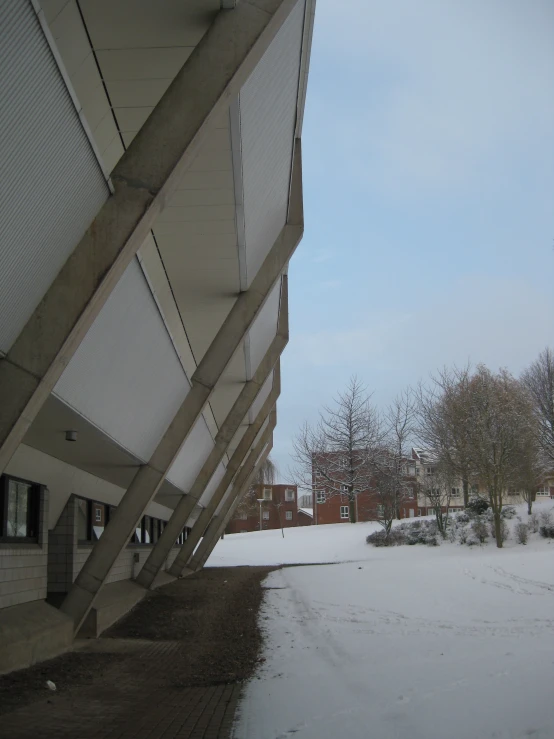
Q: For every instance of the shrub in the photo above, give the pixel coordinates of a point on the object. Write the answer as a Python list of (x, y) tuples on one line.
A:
[(381, 539), (479, 530), (547, 532), (477, 506), (424, 533), (522, 533), (461, 517), (508, 511), (534, 523), (545, 518), (463, 536)]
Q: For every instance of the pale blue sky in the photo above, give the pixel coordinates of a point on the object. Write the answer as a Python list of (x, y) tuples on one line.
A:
[(428, 148)]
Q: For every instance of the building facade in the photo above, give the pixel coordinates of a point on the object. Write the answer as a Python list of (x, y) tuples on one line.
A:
[(152, 199), (274, 506)]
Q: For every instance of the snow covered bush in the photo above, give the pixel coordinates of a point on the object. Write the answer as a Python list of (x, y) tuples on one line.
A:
[(479, 530), (421, 532), (381, 539), (547, 532), (508, 511), (477, 507), (522, 533), (546, 518), (534, 523)]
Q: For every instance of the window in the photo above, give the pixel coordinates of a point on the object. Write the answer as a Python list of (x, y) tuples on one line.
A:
[(265, 515), (288, 515), (267, 494), (380, 510), (289, 495), (19, 508), (421, 511), (83, 520), (417, 471), (344, 488), (320, 496), (455, 492), (147, 530), (242, 516), (99, 518), (344, 511), (430, 511)]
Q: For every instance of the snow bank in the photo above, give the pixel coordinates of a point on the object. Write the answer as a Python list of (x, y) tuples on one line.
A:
[(405, 643)]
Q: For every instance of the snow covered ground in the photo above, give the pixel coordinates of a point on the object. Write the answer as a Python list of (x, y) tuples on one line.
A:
[(402, 643)]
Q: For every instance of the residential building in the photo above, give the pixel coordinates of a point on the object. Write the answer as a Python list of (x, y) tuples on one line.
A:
[(275, 506), (330, 502)]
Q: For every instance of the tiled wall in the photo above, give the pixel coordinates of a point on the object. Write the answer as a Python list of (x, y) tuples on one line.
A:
[(23, 567), (67, 557)]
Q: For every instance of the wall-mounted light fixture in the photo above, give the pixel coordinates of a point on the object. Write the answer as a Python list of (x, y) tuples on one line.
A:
[(71, 436)]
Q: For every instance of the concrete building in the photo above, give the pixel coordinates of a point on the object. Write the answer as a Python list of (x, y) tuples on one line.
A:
[(151, 202), (278, 507)]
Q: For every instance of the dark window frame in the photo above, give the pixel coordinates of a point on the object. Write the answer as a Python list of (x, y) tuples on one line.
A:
[(157, 525), (33, 510)]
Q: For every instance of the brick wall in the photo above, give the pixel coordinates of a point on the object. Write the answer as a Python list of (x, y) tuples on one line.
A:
[(24, 567), (248, 518)]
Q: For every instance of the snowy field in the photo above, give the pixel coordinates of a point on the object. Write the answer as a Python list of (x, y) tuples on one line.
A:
[(402, 643)]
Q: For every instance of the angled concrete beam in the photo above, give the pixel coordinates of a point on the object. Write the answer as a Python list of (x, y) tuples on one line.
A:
[(150, 477), (219, 522), (233, 467), (236, 415), (144, 181)]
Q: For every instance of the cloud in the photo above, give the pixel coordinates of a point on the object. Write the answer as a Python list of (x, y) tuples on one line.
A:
[(497, 320), (438, 93)]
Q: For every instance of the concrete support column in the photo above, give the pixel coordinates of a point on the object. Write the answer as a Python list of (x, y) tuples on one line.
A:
[(144, 181), (226, 433), (235, 463), (218, 523), (149, 478)]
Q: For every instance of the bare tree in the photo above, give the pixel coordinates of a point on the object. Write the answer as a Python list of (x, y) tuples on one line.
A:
[(444, 422), (436, 487), (531, 468), (390, 484), (335, 455), (501, 420), (539, 381)]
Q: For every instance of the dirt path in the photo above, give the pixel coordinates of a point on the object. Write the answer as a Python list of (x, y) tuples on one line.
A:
[(173, 667)]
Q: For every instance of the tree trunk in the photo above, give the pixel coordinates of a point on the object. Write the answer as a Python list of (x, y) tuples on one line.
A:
[(498, 529), (352, 509), (465, 486), (529, 506)]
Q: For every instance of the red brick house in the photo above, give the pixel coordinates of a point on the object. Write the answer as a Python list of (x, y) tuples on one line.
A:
[(279, 507)]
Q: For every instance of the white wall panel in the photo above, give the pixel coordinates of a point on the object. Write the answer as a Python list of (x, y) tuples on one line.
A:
[(52, 184), (260, 398), (212, 485), (264, 329), (192, 456), (126, 377), (268, 116)]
